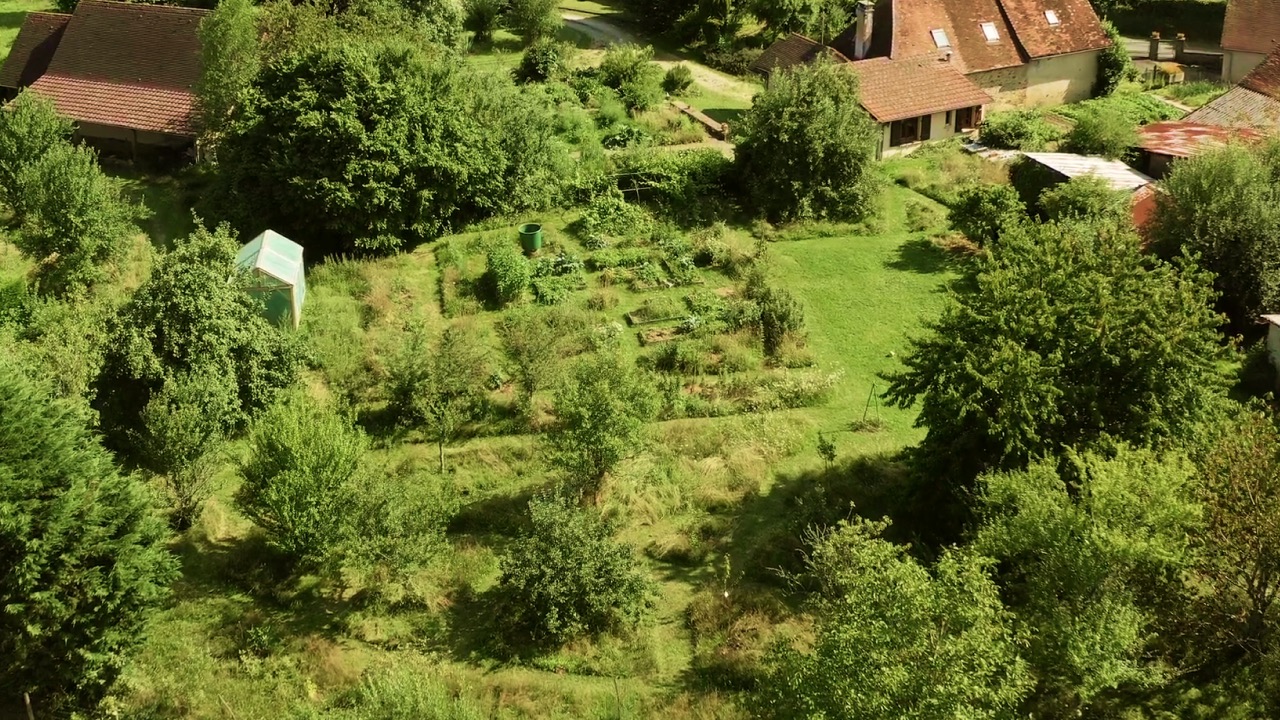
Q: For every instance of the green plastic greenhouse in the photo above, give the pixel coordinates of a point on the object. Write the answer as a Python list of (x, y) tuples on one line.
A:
[(274, 263)]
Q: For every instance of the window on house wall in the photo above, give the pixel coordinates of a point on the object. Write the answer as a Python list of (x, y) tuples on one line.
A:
[(1052, 17), (940, 38), (909, 130), (990, 33), (948, 117), (966, 119)]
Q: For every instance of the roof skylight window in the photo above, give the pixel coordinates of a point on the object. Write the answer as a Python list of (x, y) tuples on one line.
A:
[(1052, 17), (989, 31), (940, 38)]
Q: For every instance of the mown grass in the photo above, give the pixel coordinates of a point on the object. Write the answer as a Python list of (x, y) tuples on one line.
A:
[(12, 13)]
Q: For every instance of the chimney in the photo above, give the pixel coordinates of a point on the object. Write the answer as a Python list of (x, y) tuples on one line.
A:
[(862, 31)]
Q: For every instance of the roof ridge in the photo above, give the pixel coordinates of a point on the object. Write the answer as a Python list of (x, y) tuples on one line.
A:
[(1018, 43), (143, 7)]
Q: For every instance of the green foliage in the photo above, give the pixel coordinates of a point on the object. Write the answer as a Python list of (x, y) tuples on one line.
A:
[(897, 641), (531, 341), (1238, 550), (1114, 63), (1223, 207), (29, 128), (678, 80), (193, 312), (483, 18), (601, 411), (983, 211), (401, 693), (300, 478), (1025, 130), (609, 214), (781, 316), (1032, 180), (1103, 131), (546, 59), (438, 21), (412, 146), (630, 71), (566, 577), (806, 149), (687, 185), (75, 219), (507, 272), (1137, 107), (439, 389), (182, 434), (230, 57), (1085, 554), (83, 558), (1083, 198), (533, 20), (1060, 335)]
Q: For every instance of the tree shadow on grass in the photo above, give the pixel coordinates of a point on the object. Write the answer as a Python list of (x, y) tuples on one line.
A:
[(922, 255), (724, 115)]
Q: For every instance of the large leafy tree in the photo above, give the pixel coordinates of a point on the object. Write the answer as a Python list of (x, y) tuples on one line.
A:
[(807, 148), (29, 127), (230, 56), (82, 556), (1059, 335), (366, 146), (75, 218), (192, 314), (1223, 206), (1089, 551), (895, 640)]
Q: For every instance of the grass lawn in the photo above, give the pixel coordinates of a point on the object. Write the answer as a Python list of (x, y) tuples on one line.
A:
[(12, 13)]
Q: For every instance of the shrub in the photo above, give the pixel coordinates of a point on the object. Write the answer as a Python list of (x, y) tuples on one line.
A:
[(629, 70), (300, 478), (533, 20), (84, 560), (553, 290), (1082, 198), (678, 80), (621, 258), (736, 61), (1017, 130), (601, 411), (546, 59), (1031, 180), (507, 271), (689, 185), (1114, 63), (780, 314), (482, 18), (609, 214), (982, 212), (566, 577), (1103, 131), (624, 135), (29, 127)]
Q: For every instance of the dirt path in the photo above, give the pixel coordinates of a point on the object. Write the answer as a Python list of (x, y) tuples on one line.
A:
[(601, 30)]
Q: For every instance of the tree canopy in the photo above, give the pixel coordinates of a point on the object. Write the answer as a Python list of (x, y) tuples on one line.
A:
[(82, 555), (806, 148), (1061, 334), (365, 147)]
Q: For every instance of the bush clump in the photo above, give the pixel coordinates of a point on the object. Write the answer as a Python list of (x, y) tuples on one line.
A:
[(679, 79), (982, 212), (508, 272), (566, 577), (1018, 130), (610, 215), (543, 61), (630, 71)]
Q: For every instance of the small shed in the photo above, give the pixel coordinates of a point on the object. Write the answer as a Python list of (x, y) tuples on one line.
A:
[(274, 264), (1164, 142)]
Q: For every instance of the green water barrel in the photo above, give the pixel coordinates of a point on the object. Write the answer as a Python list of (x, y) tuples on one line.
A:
[(531, 237)]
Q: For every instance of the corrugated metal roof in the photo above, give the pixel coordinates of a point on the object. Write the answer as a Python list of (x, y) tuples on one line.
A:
[(1183, 139), (1118, 175), (1240, 107)]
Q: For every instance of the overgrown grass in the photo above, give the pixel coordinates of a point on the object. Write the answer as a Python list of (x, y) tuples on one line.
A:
[(1194, 94)]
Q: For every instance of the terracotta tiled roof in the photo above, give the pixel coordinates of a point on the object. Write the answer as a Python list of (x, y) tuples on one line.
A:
[(1180, 138), (1251, 26), (1265, 78), (139, 107), (33, 48), (896, 89), (904, 29), (795, 49), (131, 43), (1078, 28)]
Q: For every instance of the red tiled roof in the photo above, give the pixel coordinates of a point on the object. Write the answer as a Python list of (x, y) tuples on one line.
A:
[(1184, 139), (131, 43), (33, 49), (795, 49), (1265, 78), (139, 107), (1078, 28), (1251, 26), (896, 89)]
